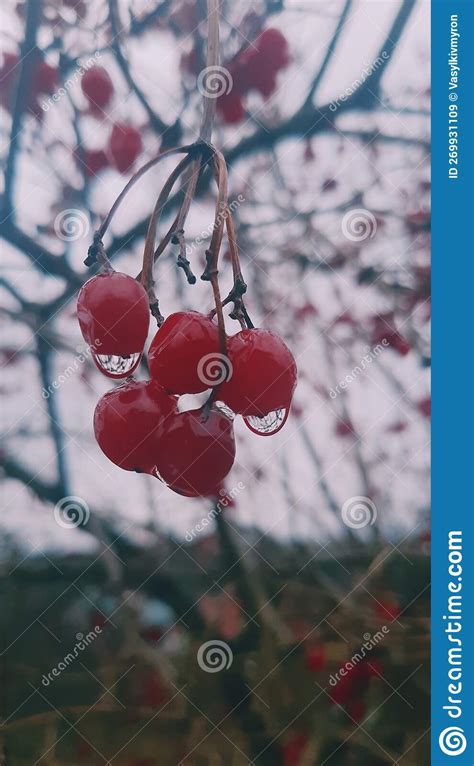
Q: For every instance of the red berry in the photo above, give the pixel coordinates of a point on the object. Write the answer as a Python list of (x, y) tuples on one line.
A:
[(344, 427), (45, 79), (255, 68), (356, 709), (354, 684), (152, 634), (8, 74), (315, 657), (294, 748), (261, 62), (94, 161), (273, 46), (196, 452), (125, 145), (129, 420), (263, 374), (230, 107), (113, 314), (387, 609), (182, 352), (424, 406), (97, 87), (44, 82), (153, 692)]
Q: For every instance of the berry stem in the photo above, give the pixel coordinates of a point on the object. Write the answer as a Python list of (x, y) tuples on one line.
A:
[(211, 271), (149, 252), (212, 60), (188, 149), (205, 135)]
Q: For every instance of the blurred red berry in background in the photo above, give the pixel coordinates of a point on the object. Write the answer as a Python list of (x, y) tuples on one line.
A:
[(97, 87), (125, 145), (255, 68)]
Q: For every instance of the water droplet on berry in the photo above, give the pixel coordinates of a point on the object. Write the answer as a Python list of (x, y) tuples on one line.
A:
[(268, 424), (117, 366)]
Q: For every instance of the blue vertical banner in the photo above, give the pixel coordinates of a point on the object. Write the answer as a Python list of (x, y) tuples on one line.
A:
[(452, 734)]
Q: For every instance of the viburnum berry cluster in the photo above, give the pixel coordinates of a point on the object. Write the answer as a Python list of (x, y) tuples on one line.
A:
[(140, 425), (124, 144), (255, 68)]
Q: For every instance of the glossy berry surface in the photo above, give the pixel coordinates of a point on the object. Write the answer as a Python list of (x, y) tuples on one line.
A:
[(113, 314), (125, 145), (195, 454), (97, 87), (177, 352), (263, 374), (128, 421)]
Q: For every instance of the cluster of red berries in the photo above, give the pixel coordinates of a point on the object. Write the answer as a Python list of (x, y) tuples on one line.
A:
[(255, 68), (125, 142), (139, 426), (44, 83)]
